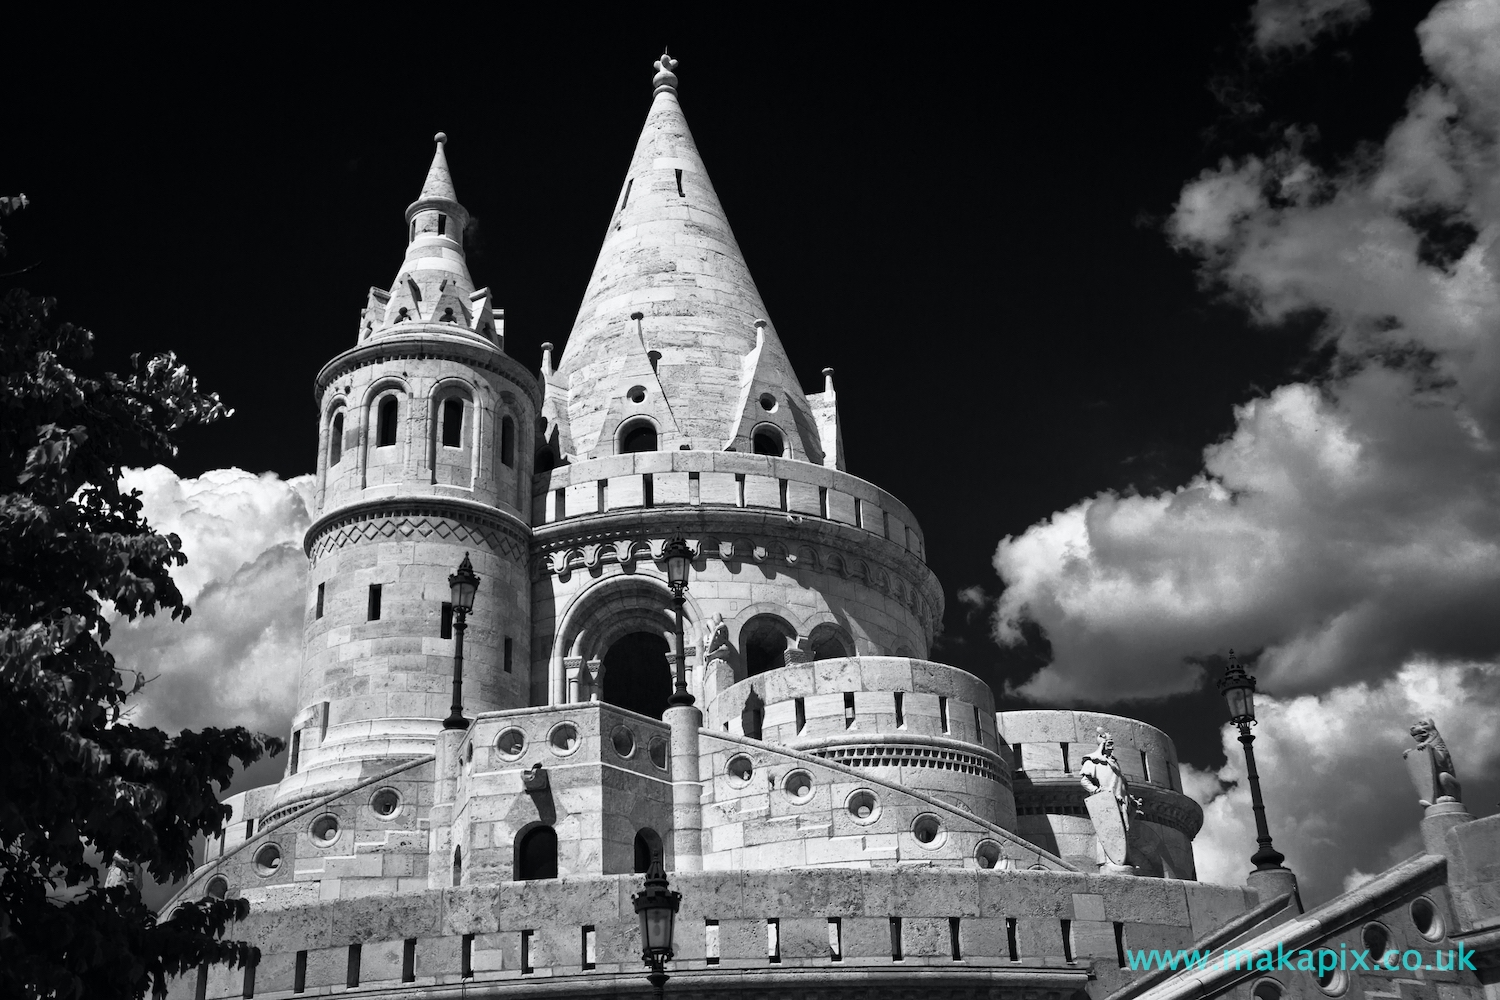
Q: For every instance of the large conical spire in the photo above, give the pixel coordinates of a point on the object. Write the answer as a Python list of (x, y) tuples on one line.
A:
[(433, 284), (669, 255)]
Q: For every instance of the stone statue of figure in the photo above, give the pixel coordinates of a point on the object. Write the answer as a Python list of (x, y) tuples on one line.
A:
[(1101, 773), (121, 871), (1432, 767), (715, 640)]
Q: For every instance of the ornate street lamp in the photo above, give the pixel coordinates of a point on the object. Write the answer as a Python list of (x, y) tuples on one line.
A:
[(1238, 689), (463, 584), (679, 559), (656, 906)]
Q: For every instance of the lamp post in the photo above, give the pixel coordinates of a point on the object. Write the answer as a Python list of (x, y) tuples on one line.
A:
[(1238, 689), (656, 905), (463, 584), (679, 560)]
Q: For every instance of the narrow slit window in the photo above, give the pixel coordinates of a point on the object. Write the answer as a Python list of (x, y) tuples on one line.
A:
[(372, 612), (507, 442), (385, 423), (711, 942), (603, 489), (848, 709), (978, 727), (1067, 765), (953, 944), (299, 973), (353, 976), (859, 513), (409, 960), (442, 224), (295, 754), (249, 828), (200, 990), (453, 423), (588, 946), (626, 199), (1120, 943), (1010, 939), (739, 489), (835, 939), (249, 987), (1145, 766), (773, 940), (1015, 756), (783, 494), (506, 646), (823, 501), (943, 712), (648, 491), (679, 185), (801, 707), (413, 229), (1067, 940), (318, 611), (900, 710), (466, 957), (445, 622), (560, 502), (336, 439), (895, 939)]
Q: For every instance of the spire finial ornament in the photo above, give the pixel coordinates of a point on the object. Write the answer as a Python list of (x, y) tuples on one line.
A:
[(441, 138), (665, 79)]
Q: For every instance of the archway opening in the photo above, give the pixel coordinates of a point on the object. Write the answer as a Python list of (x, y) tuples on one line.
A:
[(638, 437), (647, 846), (536, 854), (637, 673), (763, 641)]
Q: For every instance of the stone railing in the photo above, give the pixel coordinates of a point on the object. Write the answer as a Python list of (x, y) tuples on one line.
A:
[(722, 479)]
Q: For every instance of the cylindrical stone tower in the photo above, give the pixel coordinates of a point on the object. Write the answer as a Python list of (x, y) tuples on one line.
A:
[(425, 452)]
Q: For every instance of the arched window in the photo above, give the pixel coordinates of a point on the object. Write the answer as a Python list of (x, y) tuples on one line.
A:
[(536, 854), (385, 427), (458, 865), (507, 442), (647, 846), (336, 439), (637, 437), (767, 441), (829, 641), (763, 643), (453, 423)]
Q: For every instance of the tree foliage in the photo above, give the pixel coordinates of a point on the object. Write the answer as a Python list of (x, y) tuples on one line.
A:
[(77, 783)]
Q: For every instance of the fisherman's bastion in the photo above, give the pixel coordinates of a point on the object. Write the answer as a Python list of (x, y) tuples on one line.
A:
[(842, 816)]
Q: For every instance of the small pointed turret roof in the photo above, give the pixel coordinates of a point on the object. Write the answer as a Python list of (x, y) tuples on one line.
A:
[(670, 255), (439, 183)]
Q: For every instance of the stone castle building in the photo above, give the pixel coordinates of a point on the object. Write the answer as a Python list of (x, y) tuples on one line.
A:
[(842, 815)]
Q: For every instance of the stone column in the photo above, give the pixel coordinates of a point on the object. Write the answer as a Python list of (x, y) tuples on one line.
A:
[(572, 668), (1437, 820), (687, 789), (449, 760)]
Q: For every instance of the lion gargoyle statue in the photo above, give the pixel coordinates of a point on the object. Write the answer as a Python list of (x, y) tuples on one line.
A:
[(1438, 782)]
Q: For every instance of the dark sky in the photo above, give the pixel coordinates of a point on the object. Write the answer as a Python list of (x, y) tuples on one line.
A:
[(964, 220)]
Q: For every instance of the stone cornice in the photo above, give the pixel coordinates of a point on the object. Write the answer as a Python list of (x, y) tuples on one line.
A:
[(1065, 796), (435, 344), (743, 535), (422, 516)]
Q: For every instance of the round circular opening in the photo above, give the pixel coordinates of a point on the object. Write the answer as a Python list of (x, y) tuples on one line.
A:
[(1266, 989), (624, 741), (1425, 916), (863, 806), (564, 738), (637, 394), (325, 830), (768, 402), (928, 830), (385, 802), (218, 887), (740, 768), (1377, 941), (1333, 982), (658, 751), (798, 786), (987, 854), (510, 743), (268, 860)]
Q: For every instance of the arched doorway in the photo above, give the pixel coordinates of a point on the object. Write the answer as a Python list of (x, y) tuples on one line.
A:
[(536, 854), (637, 673)]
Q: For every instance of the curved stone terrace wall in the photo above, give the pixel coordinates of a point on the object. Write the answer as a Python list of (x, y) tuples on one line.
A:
[(722, 479), (926, 932)]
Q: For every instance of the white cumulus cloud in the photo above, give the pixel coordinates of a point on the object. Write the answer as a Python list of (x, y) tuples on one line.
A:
[(235, 660)]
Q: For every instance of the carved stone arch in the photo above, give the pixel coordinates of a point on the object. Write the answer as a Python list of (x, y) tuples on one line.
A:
[(386, 386), (332, 452), (825, 633), (763, 632), (809, 557), (837, 563)]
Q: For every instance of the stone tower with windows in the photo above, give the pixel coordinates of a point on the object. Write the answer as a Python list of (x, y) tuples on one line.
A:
[(424, 455), (842, 815)]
